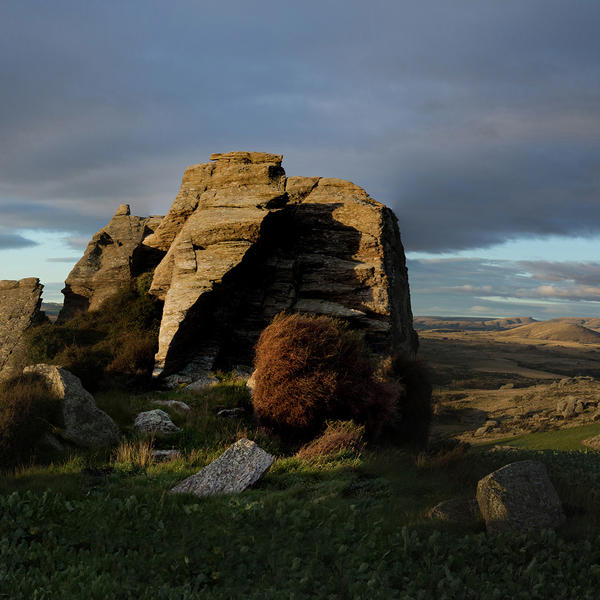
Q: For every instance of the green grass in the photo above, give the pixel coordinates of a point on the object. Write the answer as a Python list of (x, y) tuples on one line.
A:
[(560, 439), (103, 525)]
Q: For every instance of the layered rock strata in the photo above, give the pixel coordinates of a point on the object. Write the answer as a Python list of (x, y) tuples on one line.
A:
[(20, 303), (241, 243), (114, 256)]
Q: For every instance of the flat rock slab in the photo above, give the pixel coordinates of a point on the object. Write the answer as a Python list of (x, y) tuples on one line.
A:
[(240, 466), (519, 496), (155, 421), (85, 424)]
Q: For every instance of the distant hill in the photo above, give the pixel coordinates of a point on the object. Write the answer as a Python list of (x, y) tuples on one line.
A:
[(556, 330), (51, 309), (590, 323), (469, 323)]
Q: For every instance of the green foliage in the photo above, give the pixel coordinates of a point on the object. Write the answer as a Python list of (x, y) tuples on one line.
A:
[(114, 344), (27, 411)]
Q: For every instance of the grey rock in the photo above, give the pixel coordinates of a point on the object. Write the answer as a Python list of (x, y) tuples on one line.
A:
[(176, 405), (231, 413), (85, 425), (519, 496), (165, 455), (19, 309), (457, 510), (155, 421), (507, 386), (240, 466)]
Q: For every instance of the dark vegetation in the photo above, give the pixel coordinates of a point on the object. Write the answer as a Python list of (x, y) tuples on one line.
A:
[(27, 411), (113, 346)]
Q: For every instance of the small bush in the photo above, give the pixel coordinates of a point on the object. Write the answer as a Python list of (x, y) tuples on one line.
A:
[(313, 369), (414, 404), (339, 436), (27, 411), (115, 343)]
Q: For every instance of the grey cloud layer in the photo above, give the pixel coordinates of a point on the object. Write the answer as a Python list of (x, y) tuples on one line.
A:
[(476, 122)]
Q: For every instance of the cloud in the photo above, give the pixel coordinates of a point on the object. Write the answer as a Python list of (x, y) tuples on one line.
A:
[(63, 259), (476, 132), (11, 241)]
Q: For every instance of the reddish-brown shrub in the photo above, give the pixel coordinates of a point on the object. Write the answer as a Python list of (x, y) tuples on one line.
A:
[(312, 369), (339, 436), (414, 413)]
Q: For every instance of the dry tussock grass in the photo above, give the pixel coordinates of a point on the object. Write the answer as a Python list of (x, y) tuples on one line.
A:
[(339, 436)]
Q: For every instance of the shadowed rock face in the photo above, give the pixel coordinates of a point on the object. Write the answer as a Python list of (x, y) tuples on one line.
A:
[(243, 242), (19, 309), (114, 256)]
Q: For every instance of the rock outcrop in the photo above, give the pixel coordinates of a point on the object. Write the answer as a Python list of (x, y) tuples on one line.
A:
[(19, 309), (519, 496), (114, 256), (243, 242), (84, 424), (240, 466)]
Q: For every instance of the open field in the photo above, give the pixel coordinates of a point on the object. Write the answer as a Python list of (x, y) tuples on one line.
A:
[(516, 384)]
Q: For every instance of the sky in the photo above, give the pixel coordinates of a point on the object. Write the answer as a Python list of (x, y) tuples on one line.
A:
[(476, 121)]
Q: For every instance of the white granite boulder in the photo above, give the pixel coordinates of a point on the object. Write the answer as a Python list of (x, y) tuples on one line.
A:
[(155, 421), (519, 496), (176, 405), (85, 425), (240, 466)]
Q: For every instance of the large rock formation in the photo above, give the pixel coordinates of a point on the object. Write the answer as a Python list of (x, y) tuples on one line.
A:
[(114, 256), (241, 243), (19, 309)]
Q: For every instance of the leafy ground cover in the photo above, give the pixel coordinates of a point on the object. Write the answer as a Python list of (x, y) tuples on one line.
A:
[(350, 525)]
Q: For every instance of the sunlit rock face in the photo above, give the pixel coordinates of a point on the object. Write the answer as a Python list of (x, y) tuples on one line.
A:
[(20, 303), (114, 256), (243, 242)]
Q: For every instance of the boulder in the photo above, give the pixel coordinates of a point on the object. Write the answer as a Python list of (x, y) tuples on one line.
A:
[(155, 422), (567, 406), (84, 424), (456, 510), (20, 303), (519, 496), (239, 467), (231, 413), (114, 256)]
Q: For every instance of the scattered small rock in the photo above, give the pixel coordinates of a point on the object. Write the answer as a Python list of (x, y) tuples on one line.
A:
[(231, 413), (176, 405), (240, 466), (202, 384), (593, 443), (164, 455), (519, 496), (155, 421)]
